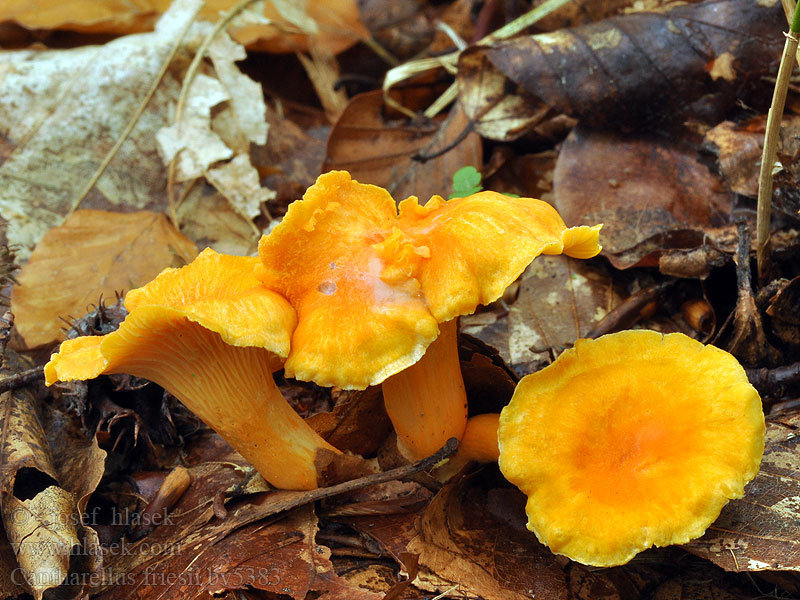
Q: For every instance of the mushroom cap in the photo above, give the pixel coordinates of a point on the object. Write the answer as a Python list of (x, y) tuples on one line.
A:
[(222, 293), (215, 292), (370, 285), (628, 441)]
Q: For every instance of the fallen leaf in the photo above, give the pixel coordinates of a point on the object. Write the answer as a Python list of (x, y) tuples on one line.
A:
[(758, 532), (499, 108), (198, 144), (43, 532), (386, 513), (399, 27), (639, 66), (190, 141), (291, 160), (75, 104), (528, 175), (738, 150), (475, 536), (93, 254), (560, 300), (11, 581), (210, 220), (238, 182), (333, 22), (44, 488), (783, 312), (357, 424), (280, 557), (643, 188), (380, 152)]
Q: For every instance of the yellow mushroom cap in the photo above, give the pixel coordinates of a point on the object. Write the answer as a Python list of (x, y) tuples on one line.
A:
[(628, 441), (217, 292), (370, 285)]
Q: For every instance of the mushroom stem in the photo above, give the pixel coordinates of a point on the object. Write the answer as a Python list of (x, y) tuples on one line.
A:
[(427, 402), (230, 388), (479, 444)]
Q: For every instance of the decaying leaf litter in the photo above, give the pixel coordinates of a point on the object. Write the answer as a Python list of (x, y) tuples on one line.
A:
[(645, 117)]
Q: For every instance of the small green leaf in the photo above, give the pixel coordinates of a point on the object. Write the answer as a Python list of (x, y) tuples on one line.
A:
[(466, 181)]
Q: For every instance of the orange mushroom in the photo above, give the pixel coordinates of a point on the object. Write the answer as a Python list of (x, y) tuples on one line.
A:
[(371, 285), (632, 440), (212, 335)]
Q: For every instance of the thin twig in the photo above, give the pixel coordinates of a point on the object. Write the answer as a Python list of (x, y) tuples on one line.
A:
[(21, 379), (770, 148), (133, 120), (188, 78), (425, 464)]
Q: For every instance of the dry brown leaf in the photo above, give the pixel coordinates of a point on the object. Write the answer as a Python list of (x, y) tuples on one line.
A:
[(526, 175), (358, 422), (560, 300), (499, 113), (475, 537), (195, 551), (11, 584), (335, 23), (377, 151), (738, 150), (640, 187), (759, 532), (93, 253), (639, 66), (280, 557), (782, 310), (211, 221)]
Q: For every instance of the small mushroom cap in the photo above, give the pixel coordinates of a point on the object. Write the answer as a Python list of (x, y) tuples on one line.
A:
[(628, 441), (215, 292), (480, 244), (370, 285), (222, 293)]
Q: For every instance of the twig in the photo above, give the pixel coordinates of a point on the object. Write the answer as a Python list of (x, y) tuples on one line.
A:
[(770, 148), (769, 381), (188, 78), (425, 464), (627, 313), (21, 379), (133, 120)]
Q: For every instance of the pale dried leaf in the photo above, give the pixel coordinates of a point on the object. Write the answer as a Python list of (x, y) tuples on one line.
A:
[(211, 220), (191, 139), (42, 531), (296, 12), (93, 254), (63, 110), (238, 181), (246, 96)]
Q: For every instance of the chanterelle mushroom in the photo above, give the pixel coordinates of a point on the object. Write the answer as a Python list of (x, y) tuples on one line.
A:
[(632, 440), (371, 285), (211, 334)]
